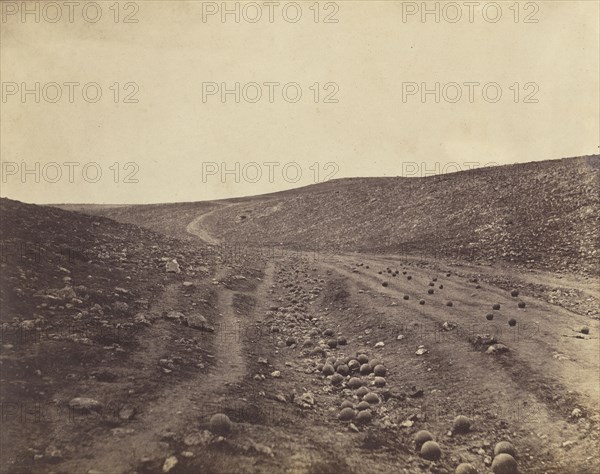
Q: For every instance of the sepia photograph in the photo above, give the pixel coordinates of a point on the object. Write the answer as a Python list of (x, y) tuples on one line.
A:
[(300, 237)]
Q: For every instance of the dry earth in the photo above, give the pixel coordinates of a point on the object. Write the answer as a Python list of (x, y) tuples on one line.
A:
[(110, 363)]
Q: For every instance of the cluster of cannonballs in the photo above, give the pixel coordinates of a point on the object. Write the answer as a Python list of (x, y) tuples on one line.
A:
[(496, 307), (350, 369), (504, 458), (504, 452), (430, 291), (332, 341)]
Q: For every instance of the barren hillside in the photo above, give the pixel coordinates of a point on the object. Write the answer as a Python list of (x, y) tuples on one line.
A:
[(539, 215), (544, 215)]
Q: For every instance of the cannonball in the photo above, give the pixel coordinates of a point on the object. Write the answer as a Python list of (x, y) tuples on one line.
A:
[(504, 464), (421, 437), (379, 370), (220, 424), (346, 414), (371, 398), (328, 370), (465, 468), (431, 451), (364, 416), (505, 447), (461, 424)]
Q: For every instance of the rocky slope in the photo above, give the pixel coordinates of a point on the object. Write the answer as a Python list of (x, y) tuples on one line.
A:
[(539, 215), (544, 215)]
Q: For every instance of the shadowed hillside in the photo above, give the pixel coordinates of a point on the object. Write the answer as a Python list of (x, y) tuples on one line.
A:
[(170, 219)]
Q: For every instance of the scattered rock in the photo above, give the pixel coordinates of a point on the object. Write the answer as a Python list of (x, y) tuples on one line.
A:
[(421, 350), (496, 349), (84, 404), (172, 267)]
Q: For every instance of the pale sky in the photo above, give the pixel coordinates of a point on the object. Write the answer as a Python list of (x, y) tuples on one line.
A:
[(174, 136)]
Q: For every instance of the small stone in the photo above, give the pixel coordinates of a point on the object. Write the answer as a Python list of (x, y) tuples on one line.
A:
[(421, 350), (169, 464), (172, 267), (84, 404), (576, 413)]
